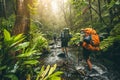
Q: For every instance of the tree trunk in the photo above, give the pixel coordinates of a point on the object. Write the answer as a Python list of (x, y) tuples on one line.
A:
[(90, 11), (22, 22), (3, 8), (99, 8)]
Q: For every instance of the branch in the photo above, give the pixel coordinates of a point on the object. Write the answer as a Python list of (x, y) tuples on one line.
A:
[(99, 16)]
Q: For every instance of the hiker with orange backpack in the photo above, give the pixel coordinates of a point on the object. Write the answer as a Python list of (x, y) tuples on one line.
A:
[(90, 43)]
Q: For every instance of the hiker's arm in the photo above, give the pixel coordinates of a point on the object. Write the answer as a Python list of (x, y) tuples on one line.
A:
[(80, 43), (87, 39)]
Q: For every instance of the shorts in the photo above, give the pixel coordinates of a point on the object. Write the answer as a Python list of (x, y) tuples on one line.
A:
[(64, 44), (86, 53)]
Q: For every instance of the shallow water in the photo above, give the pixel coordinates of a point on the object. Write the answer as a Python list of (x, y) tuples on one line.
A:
[(76, 69)]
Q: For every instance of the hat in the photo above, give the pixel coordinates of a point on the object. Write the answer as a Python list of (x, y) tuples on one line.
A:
[(82, 30)]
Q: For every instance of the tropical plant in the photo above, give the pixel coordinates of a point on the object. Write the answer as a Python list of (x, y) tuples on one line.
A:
[(109, 43), (27, 61), (38, 39), (7, 55), (41, 43), (15, 56), (48, 73), (18, 60), (75, 39), (7, 23)]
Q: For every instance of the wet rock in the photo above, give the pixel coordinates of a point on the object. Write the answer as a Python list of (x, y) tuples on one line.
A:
[(62, 55)]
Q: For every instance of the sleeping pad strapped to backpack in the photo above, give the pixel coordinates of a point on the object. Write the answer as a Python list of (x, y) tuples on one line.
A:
[(92, 41)]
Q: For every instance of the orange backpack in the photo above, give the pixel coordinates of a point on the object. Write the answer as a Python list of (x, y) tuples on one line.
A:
[(94, 42)]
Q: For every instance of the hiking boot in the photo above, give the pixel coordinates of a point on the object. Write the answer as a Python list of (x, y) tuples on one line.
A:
[(89, 72), (66, 55)]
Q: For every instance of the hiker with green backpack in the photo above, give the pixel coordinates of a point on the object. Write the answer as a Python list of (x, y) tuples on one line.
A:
[(65, 38)]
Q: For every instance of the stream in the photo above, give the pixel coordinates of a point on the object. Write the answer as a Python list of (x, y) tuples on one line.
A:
[(75, 67)]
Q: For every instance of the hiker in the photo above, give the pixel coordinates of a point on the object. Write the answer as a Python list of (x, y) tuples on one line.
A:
[(89, 45), (55, 38), (65, 37)]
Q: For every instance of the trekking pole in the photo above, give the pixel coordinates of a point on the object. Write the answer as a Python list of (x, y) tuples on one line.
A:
[(78, 54)]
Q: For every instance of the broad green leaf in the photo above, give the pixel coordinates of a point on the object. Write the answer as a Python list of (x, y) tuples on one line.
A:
[(41, 71), (27, 54), (7, 35), (45, 72), (19, 36), (58, 73), (111, 4), (2, 67), (13, 44), (117, 2), (21, 46), (52, 69), (55, 78), (30, 53), (31, 62), (12, 77)]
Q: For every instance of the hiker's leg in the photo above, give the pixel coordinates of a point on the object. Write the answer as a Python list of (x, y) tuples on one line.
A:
[(86, 55), (66, 50), (62, 45), (89, 63), (66, 47), (63, 49)]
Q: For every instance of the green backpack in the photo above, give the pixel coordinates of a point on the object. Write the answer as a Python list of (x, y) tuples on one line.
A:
[(65, 35)]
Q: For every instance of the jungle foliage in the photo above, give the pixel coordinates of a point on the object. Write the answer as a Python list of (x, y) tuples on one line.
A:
[(104, 16), (17, 52), (19, 60)]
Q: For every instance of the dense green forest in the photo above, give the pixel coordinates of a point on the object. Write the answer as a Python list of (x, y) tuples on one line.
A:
[(27, 28)]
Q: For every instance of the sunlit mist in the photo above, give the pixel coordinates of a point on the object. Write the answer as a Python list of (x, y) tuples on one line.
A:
[(54, 6)]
